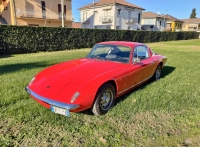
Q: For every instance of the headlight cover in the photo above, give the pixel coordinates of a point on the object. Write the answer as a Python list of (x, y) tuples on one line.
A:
[(75, 96), (31, 80)]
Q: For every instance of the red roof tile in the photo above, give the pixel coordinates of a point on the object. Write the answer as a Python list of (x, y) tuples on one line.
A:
[(107, 2), (151, 15), (76, 25), (171, 18), (192, 20)]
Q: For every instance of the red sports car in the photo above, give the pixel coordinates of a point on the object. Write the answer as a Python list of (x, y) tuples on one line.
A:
[(108, 71)]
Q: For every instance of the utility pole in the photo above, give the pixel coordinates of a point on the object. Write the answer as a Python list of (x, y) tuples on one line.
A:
[(62, 9), (114, 19), (93, 14)]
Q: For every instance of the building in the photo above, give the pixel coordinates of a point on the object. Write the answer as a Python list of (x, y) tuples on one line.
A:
[(111, 14), (192, 24), (35, 12), (153, 22), (173, 24)]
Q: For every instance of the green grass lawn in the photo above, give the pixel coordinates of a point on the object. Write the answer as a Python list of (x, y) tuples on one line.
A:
[(162, 113)]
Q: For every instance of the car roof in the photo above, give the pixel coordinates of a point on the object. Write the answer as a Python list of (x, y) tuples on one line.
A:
[(125, 43)]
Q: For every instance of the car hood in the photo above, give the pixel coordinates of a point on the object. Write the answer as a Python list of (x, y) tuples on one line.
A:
[(72, 73)]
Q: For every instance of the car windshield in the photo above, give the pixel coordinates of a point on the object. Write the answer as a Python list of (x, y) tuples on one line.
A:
[(116, 53)]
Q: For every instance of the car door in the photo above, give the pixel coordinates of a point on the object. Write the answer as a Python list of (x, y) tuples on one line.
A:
[(142, 70)]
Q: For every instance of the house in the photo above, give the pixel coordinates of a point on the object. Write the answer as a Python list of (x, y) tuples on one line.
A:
[(111, 14), (192, 24), (153, 22), (35, 12), (173, 24)]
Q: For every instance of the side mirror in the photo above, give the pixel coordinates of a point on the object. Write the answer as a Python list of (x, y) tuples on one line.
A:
[(136, 60)]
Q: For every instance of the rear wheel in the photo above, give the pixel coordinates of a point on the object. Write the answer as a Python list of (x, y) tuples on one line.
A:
[(104, 99), (157, 73)]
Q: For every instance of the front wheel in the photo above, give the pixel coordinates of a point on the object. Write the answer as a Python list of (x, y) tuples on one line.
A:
[(157, 73), (104, 99)]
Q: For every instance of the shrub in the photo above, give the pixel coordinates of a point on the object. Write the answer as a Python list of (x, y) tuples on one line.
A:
[(26, 39)]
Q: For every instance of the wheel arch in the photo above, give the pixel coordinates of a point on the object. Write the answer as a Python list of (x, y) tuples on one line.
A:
[(161, 63), (113, 82)]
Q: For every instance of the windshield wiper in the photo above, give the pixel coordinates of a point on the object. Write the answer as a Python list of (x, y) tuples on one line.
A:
[(96, 56)]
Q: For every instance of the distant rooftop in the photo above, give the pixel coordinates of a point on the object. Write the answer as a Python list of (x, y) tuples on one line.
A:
[(151, 15), (171, 18), (108, 2), (191, 20)]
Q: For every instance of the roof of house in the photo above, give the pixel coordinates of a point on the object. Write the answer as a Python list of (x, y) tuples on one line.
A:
[(107, 2), (191, 20), (171, 18), (151, 15), (76, 25)]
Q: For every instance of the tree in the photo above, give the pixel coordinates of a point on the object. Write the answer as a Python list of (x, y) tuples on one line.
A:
[(193, 14)]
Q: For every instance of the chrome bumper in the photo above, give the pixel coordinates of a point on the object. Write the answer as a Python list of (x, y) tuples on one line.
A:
[(52, 102)]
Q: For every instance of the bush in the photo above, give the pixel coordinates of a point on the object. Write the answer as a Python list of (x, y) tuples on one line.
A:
[(26, 39)]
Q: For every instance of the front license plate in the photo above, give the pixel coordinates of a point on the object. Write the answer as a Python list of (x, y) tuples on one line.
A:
[(60, 111)]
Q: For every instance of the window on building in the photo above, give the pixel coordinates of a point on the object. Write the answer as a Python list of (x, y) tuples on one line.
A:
[(43, 9), (129, 28), (108, 27), (138, 18), (168, 24), (118, 12), (107, 13), (95, 13), (95, 27), (129, 14), (60, 11), (85, 16), (117, 27)]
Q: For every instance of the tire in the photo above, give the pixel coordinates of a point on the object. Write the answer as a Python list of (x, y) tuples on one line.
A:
[(104, 99), (157, 73)]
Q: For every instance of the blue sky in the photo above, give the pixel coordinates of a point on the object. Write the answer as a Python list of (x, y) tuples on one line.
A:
[(178, 8)]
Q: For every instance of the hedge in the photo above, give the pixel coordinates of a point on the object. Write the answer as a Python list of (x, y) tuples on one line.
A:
[(26, 39)]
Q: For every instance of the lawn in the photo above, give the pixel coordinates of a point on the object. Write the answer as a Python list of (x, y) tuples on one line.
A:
[(162, 113)]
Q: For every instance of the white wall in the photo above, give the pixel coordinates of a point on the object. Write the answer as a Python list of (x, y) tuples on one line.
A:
[(150, 21), (116, 20), (95, 21), (155, 22), (121, 20)]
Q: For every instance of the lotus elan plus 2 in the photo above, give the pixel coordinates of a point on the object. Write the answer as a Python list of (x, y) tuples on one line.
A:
[(94, 82)]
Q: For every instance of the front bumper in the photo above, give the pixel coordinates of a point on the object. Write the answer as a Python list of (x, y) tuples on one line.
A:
[(52, 102)]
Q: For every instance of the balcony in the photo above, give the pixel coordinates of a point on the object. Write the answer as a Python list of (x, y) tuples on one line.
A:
[(106, 19), (85, 20), (32, 14), (130, 20)]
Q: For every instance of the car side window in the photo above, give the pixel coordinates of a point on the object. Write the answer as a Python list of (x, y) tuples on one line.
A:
[(141, 52)]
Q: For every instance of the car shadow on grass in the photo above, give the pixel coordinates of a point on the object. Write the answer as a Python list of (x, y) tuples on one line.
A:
[(10, 68), (165, 72)]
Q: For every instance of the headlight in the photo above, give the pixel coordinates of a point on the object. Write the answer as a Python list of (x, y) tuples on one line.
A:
[(75, 96), (32, 81)]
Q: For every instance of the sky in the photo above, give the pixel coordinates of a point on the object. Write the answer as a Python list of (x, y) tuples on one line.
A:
[(180, 9)]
